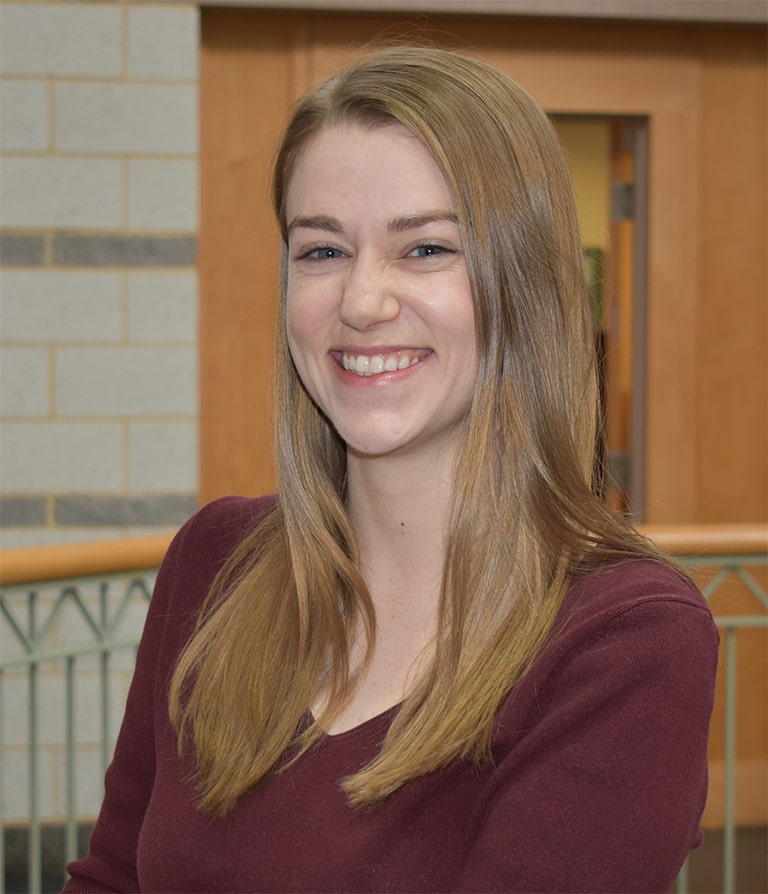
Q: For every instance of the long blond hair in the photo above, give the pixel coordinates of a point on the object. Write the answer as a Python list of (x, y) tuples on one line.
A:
[(277, 626)]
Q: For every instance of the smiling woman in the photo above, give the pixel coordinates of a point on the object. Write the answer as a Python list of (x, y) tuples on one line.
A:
[(379, 309), (435, 661)]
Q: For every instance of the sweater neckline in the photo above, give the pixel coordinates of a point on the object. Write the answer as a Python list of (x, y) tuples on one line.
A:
[(372, 723)]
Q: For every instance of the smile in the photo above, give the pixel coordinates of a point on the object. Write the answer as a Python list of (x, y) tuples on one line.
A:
[(374, 365)]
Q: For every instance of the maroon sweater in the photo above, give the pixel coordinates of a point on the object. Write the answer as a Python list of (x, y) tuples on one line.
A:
[(598, 782)]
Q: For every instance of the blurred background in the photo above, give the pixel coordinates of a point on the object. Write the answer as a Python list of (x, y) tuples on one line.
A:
[(138, 284)]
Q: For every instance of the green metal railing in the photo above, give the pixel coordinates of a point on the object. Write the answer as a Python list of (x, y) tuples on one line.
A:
[(109, 607), (30, 639), (729, 570)]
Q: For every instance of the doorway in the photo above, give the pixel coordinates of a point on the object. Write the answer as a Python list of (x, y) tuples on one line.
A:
[(608, 158)]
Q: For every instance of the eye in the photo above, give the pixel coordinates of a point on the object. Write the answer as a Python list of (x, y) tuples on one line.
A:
[(321, 253), (429, 250)]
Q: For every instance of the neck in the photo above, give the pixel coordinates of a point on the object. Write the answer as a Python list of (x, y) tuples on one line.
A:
[(400, 509)]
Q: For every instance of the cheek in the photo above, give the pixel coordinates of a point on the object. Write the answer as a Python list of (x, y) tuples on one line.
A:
[(299, 318), (292, 324), (298, 348), (304, 333), (309, 305)]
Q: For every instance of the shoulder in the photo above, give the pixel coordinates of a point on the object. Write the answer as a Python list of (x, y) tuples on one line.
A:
[(634, 625), (200, 549), (214, 531), (603, 595), (605, 736), (649, 614), (644, 604), (229, 517)]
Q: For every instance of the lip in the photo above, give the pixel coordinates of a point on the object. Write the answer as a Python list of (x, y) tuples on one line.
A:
[(373, 350)]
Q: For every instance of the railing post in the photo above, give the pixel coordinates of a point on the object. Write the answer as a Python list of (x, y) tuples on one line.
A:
[(104, 665), (34, 856), (729, 822), (2, 776), (71, 807)]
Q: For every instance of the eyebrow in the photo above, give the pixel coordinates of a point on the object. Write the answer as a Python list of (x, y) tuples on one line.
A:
[(396, 225), (316, 222), (414, 221)]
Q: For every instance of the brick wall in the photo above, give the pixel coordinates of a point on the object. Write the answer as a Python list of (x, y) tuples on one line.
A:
[(98, 293)]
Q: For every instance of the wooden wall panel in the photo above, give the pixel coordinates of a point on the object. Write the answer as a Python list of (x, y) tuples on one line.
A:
[(732, 309), (247, 84)]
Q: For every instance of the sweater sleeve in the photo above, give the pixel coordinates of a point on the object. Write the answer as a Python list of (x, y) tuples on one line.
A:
[(110, 864), (607, 791)]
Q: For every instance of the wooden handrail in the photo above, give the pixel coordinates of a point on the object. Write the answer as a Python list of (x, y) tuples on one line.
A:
[(71, 560), (694, 540)]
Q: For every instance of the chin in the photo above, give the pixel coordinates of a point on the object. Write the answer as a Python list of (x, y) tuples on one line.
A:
[(373, 449), (376, 440)]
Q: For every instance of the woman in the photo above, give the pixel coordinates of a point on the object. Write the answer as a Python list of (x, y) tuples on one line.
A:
[(436, 662)]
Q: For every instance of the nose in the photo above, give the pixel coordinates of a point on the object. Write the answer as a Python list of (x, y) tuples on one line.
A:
[(369, 297)]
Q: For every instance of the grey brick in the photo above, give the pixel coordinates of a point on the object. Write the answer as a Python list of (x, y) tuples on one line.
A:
[(24, 116), (69, 40), (41, 457), (24, 378), (116, 118), (163, 43), (18, 512), (22, 251), (56, 306), (65, 193), (126, 381), (161, 509), (124, 251)]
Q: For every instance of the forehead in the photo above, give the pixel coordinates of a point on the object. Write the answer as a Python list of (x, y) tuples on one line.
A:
[(351, 163)]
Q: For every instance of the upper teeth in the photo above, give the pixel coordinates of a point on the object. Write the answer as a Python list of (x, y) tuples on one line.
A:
[(366, 365)]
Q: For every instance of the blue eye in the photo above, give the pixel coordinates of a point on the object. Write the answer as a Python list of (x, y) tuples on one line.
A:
[(324, 253), (428, 251)]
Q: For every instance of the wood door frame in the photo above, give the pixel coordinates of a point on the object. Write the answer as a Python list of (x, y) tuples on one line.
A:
[(665, 94), (654, 10)]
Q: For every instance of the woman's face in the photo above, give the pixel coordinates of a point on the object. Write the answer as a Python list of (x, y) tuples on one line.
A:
[(379, 311)]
